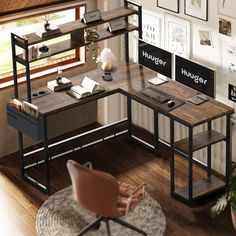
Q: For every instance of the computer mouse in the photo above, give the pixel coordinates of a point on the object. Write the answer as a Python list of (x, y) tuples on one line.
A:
[(170, 103)]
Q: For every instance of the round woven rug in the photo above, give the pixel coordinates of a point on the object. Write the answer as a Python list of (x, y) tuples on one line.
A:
[(61, 215)]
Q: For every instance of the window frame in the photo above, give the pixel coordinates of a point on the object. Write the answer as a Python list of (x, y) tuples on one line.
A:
[(72, 61)]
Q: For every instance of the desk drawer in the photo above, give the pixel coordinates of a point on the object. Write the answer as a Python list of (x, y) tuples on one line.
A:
[(24, 123)]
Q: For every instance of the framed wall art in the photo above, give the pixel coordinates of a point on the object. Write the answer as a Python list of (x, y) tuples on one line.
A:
[(227, 8), (170, 5), (197, 9), (228, 56), (177, 35)]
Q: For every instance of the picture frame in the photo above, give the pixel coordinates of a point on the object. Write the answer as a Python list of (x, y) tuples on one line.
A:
[(170, 5), (151, 25), (197, 9), (228, 57), (227, 8), (177, 35)]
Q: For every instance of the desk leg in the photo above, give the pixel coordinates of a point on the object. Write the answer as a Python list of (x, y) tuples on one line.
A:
[(172, 155), (21, 152), (209, 154), (129, 116), (156, 131), (190, 167), (228, 151), (46, 157)]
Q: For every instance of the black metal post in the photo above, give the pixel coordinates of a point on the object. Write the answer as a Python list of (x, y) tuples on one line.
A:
[(129, 116), (14, 65), (190, 168), (172, 157), (156, 131), (209, 154), (27, 72), (140, 22), (228, 151), (126, 36), (21, 153), (46, 156)]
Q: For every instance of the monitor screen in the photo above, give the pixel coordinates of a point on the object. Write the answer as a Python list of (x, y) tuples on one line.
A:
[(155, 58), (194, 75)]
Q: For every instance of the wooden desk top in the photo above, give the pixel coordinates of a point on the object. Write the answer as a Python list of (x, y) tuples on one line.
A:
[(130, 79)]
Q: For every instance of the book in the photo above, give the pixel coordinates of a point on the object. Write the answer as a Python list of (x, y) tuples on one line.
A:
[(30, 109), (87, 88), (64, 84), (16, 103)]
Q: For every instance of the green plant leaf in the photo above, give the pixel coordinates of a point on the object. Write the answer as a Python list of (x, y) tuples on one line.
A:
[(219, 206)]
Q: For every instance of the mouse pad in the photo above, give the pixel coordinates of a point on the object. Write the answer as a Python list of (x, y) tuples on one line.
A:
[(152, 102)]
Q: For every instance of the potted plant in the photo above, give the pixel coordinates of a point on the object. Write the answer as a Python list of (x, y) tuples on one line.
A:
[(228, 198)]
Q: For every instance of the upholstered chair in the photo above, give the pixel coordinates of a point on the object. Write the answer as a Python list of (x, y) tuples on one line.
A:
[(102, 194)]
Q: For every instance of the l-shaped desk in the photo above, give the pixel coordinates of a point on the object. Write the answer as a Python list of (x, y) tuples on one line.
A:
[(130, 79)]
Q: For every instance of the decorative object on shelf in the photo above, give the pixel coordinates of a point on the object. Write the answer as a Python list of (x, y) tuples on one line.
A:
[(107, 58), (177, 35), (91, 16), (116, 25), (91, 35), (30, 109), (228, 198), (197, 9), (227, 8), (60, 83), (44, 51), (16, 103), (170, 5), (47, 24), (224, 27), (33, 53)]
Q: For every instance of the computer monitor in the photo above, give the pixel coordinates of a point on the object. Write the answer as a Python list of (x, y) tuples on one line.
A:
[(194, 75), (155, 58)]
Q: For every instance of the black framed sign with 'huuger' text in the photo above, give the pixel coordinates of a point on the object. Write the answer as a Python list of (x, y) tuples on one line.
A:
[(155, 58), (195, 75)]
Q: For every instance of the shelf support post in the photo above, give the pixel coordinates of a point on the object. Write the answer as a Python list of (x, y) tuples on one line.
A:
[(129, 116), (172, 155), (14, 65), (156, 131), (209, 154), (228, 151), (126, 36), (190, 168)]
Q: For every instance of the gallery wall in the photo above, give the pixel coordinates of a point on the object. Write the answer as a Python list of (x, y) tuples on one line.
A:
[(217, 52)]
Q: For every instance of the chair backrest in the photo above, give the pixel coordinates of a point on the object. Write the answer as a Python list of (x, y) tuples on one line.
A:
[(95, 190)]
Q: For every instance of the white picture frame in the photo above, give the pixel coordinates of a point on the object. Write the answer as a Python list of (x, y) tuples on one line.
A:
[(227, 8), (151, 25), (177, 35), (228, 57), (197, 9), (170, 5)]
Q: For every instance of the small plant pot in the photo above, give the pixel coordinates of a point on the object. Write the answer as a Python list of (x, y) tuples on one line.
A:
[(233, 216)]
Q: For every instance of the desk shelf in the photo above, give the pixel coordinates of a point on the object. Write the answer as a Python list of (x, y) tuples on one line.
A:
[(201, 188), (200, 140), (72, 43)]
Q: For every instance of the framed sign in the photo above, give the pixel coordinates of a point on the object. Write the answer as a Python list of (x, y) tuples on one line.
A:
[(170, 5), (232, 92), (197, 9), (177, 35), (227, 8), (151, 28)]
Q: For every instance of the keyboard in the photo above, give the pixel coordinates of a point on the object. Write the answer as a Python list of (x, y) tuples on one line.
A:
[(159, 97)]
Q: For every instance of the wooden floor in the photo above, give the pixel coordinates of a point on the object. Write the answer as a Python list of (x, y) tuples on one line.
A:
[(129, 162)]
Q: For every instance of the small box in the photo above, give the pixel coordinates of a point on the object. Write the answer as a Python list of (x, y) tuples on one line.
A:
[(91, 16), (116, 25), (64, 84)]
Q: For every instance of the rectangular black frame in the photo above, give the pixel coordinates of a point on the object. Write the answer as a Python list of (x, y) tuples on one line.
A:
[(206, 13), (177, 10), (197, 72)]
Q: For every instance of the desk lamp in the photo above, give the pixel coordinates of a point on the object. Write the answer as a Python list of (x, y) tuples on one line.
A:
[(107, 58)]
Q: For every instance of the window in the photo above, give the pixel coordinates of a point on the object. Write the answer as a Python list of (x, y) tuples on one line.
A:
[(28, 25)]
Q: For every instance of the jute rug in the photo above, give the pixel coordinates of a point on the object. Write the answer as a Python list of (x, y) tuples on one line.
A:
[(60, 215)]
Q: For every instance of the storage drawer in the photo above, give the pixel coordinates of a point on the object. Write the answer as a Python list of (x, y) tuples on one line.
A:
[(24, 123)]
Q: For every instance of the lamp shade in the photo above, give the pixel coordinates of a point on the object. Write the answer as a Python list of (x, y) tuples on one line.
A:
[(106, 55)]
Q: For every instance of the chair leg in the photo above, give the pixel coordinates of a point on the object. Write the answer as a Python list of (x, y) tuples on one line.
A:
[(108, 227), (121, 222), (91, 226)]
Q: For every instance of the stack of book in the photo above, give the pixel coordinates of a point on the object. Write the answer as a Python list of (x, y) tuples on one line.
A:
[(55, 86)]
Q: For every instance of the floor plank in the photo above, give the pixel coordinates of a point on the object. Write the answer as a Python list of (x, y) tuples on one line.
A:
[(126, 160)]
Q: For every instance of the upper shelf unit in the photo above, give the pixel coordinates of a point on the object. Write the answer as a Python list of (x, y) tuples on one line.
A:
[(77, 25)]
